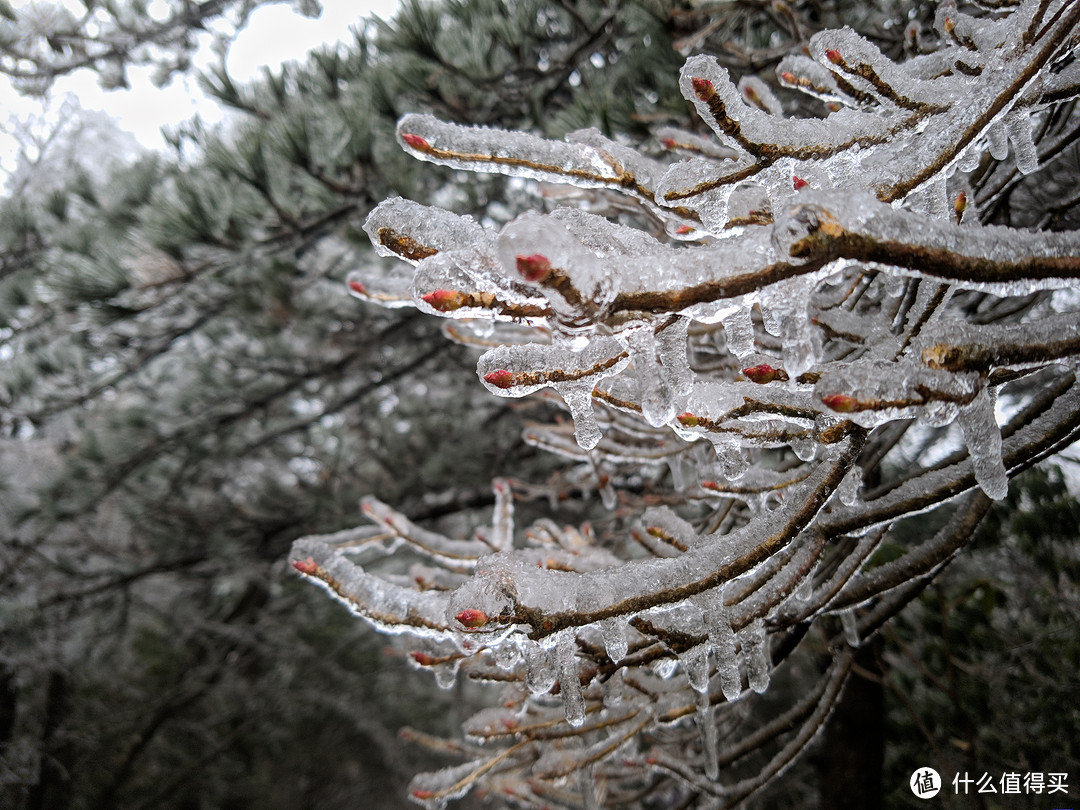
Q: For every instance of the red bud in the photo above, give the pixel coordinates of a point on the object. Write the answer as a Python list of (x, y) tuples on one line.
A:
[(308, 566), (798, 182), (358, 288), (423, 794), (444, 300), (471, 617), (688, 419), (703, 88), (500, 378), (760, 374), (415, 141), (788, 77), (682, 230), (422, 658), (669, 143), (834, 56), (534, 268), (841, 403), (750, 93)]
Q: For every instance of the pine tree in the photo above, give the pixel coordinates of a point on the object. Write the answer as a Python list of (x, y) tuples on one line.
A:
[(185, 392)]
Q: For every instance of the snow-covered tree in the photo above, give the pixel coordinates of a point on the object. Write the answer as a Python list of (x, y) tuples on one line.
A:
[(43, 40), (775, 344)]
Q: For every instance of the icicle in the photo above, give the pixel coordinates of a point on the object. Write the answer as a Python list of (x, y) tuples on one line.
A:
[(798, 343), (848, 491), (755, 653), (539, 670), (983, 440), (569, 684), (732, 461), (654, 395), (671, 350), (969, 160), (578, 399), (506, 655), (739, 331), (615, 640), (848, 620), (997, 140), (446, 674), (502, 530), (707, 723), (722, 639), (695, 662), (1023, 144), (772, 320)]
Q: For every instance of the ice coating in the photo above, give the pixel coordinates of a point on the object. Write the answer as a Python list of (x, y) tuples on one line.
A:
[(408, 230), (515, 371), (503, 151)]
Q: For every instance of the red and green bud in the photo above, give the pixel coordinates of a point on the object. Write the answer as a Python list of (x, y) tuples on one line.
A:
[(841, 403), (688, 419), (761, 374), (500, 378), (444, 300), (416, 141), (534, 268), (308, 566), (472, 618), (960, 205), (703, 88)]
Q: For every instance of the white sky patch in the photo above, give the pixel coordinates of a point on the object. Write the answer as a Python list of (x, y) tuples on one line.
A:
[(274, 34)]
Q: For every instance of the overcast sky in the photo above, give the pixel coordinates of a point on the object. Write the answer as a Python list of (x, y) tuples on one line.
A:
[(275, 34)]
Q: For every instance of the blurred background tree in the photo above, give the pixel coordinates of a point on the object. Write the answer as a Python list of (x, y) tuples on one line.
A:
[(185, 388)]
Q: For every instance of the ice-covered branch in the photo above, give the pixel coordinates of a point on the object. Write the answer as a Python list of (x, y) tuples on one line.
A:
[(743, 382)]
